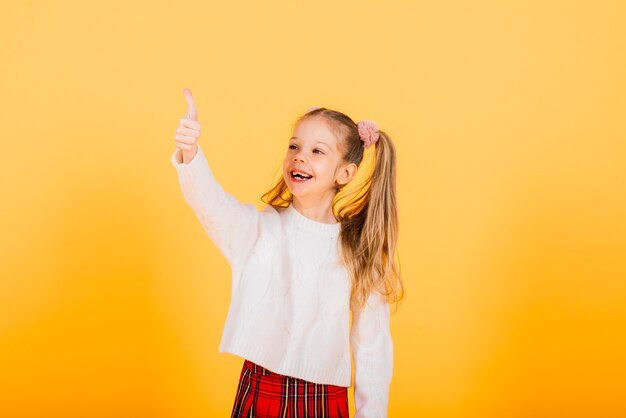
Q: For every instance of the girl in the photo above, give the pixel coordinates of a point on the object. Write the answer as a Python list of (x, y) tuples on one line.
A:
[(311, 282)]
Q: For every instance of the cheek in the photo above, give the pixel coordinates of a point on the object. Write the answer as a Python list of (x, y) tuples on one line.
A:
[(326, 169)]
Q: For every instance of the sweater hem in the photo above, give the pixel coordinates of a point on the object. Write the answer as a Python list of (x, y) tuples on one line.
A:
[(287, 365)]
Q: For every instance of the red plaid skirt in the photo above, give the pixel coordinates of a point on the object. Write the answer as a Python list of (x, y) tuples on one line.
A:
[(265, 394)]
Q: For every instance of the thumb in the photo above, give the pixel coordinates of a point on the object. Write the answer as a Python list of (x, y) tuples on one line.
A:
[(192, 113)]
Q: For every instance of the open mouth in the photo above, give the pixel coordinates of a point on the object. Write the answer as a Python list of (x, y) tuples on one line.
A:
[(299, 176)]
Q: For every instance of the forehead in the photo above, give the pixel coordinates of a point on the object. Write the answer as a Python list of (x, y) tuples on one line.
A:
[(314, 129)]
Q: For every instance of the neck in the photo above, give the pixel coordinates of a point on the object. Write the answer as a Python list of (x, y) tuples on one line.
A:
[(317, 212)]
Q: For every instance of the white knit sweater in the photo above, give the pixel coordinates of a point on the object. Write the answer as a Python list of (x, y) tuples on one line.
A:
[(289, 310)]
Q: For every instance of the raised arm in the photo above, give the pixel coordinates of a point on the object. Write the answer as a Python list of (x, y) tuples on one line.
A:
[(231, 225), (372, 349)]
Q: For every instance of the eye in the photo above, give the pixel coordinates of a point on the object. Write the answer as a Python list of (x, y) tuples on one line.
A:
[(293, 146)]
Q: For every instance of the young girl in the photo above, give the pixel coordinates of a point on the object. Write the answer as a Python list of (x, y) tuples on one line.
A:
[(311, 282)]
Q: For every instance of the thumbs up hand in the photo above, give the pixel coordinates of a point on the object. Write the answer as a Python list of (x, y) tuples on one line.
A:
[(188, 131)]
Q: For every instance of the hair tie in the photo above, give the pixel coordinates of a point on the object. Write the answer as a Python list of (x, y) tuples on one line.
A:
[(368, 131)]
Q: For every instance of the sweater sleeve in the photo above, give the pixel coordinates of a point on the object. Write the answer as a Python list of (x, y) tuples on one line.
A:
[(372, 349), (231, 225)]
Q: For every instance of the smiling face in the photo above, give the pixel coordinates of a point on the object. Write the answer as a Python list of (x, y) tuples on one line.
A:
[(313, 151)]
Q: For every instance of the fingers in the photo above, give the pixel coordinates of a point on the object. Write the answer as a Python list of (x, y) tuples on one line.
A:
[(185, 139), (185, 147), (186, 135), (189, 123), (188, 131), (192, 113)]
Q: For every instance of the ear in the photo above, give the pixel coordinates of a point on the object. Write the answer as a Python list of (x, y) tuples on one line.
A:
[(346, 173)]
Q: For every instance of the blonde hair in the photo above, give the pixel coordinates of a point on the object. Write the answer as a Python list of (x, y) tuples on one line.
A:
[(369, 218)]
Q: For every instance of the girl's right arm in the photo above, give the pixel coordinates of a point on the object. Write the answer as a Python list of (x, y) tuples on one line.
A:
[(231, 225)]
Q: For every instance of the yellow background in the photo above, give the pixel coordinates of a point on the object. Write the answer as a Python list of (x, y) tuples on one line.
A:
[(508, 118)]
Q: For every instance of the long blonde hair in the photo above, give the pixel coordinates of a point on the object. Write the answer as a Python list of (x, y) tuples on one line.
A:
[(369, 216)]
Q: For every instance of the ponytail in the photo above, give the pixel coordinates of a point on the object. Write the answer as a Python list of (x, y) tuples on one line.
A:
[(369, 231)]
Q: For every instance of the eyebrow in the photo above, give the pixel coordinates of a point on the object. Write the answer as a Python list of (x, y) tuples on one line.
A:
[(319, 142)]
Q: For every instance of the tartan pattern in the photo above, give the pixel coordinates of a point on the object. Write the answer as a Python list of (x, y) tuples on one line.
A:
[(264, 394)]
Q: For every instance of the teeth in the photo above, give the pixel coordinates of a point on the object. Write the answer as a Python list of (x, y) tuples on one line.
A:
[(300, 174)]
